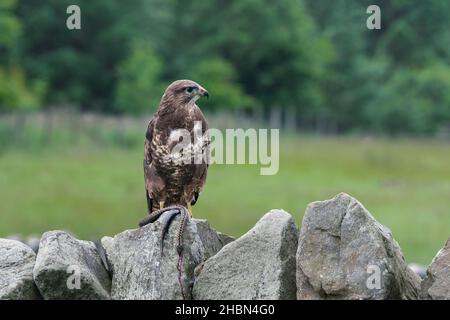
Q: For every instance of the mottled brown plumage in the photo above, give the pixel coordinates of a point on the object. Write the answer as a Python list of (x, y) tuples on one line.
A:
[(168, 182)]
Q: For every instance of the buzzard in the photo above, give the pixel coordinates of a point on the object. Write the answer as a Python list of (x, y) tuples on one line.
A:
[(171, 184)]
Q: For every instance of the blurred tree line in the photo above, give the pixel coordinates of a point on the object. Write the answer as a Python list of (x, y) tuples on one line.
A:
[(316, 61)]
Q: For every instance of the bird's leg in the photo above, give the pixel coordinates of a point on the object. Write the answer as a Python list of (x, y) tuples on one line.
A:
[(149, 202), (161, 204), (189, 207)]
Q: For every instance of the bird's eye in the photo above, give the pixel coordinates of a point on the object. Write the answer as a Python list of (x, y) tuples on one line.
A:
[(190, 89)]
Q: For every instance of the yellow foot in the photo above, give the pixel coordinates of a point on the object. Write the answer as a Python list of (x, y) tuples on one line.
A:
[(189, 207), (161, 204)]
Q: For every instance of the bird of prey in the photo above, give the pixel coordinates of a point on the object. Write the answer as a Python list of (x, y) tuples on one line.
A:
[(170, 183)]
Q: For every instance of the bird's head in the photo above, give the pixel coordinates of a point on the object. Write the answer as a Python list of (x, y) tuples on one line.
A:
[(184, 92)]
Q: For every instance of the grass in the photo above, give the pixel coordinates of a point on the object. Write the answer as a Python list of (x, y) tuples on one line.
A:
[(99, 191)]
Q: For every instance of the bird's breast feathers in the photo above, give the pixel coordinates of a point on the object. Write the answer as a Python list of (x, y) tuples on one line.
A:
[(179, 147)]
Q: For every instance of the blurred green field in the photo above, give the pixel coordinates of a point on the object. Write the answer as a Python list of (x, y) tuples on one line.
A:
[(99, 191)]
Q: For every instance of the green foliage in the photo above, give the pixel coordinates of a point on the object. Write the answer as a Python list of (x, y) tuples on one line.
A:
[(271, 46), (15, 93), (390, 80), (317, 57), (9, 25), (139, 88), (423, 103), (416, 32), (10, 29), (220, 79), (77, 64)]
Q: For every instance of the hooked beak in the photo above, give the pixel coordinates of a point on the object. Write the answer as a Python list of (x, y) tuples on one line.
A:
[(203, 92)]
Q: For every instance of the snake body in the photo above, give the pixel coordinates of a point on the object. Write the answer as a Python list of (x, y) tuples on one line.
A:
[(184, 214)]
